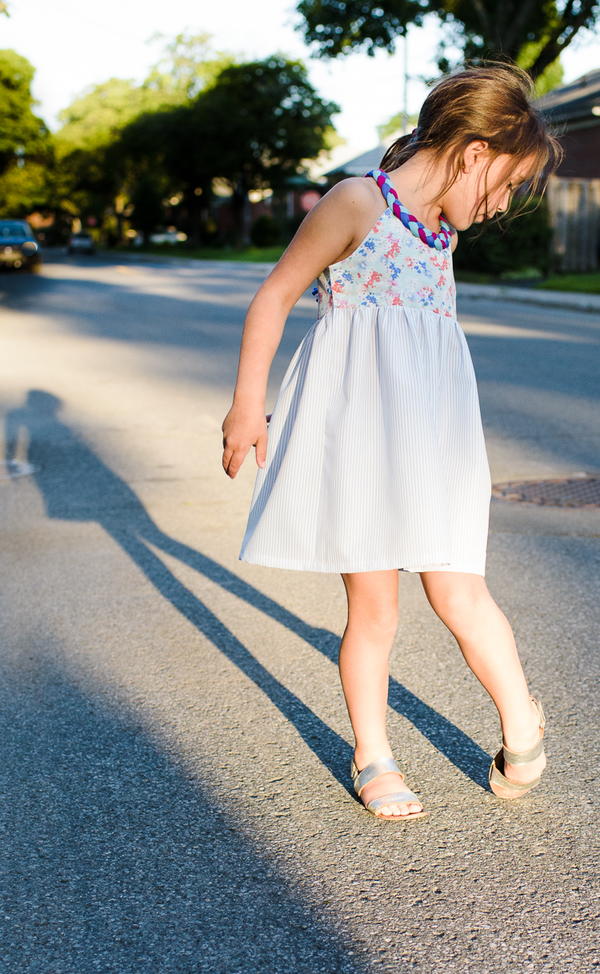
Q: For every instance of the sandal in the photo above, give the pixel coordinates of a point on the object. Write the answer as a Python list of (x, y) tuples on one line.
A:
[(373, 770), (505, 788)]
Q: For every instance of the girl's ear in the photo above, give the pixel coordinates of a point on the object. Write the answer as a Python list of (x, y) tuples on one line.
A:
[(473, 151)]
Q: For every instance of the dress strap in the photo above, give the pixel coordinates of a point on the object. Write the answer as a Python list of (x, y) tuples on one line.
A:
[(439, 240)]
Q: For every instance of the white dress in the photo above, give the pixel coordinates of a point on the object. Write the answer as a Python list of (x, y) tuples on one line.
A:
[(376, 456)]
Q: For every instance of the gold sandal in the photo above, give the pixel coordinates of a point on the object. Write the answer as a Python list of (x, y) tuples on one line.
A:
[(502, 786), (373, 770)]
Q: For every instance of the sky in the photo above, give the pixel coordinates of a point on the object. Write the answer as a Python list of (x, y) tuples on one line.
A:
[(74, 44)]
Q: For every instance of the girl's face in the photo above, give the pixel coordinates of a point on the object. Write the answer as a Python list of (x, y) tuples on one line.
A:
[(464, 202)]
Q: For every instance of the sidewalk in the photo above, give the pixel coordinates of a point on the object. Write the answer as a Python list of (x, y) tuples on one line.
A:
[(575, 300)]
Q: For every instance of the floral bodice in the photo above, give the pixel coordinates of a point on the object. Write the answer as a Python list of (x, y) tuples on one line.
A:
[(391, 267)]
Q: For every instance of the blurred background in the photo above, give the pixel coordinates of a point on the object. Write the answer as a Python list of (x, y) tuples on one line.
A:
[(212, 129)]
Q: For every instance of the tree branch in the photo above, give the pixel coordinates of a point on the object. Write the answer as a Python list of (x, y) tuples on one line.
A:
[(554, 46)]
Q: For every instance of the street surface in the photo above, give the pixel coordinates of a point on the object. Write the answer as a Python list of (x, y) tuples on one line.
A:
[(175, 777)]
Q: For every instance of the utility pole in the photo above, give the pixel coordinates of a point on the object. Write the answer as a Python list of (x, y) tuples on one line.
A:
[(405, 86)]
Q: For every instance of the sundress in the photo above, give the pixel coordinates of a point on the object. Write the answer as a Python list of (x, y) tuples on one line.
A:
[(376, 457)]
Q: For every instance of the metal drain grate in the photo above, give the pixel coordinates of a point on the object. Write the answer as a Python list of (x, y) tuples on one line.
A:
[(578, 490)]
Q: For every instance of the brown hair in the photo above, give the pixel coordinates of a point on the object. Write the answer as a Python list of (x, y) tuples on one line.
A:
[(492, 102)]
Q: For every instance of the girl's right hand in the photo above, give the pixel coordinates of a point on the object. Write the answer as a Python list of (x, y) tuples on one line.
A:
[(243, 428)]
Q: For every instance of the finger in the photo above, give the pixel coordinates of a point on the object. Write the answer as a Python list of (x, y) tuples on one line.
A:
[(235, 461), (261, 450), (229, 465)]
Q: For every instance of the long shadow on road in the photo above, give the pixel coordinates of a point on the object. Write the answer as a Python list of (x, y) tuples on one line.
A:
[(77, 485), (118, 859)]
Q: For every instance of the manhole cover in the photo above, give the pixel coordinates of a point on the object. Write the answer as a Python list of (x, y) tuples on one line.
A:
[(578, 490), (16, 468)]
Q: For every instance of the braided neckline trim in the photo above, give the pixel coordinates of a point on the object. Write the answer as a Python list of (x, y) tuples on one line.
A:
[(439, 240)]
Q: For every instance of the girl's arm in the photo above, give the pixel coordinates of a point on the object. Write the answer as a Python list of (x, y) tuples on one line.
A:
[(326, 232)]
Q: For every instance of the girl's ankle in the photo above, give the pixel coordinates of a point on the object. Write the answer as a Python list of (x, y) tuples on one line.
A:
[(364, 755), (524, 736)]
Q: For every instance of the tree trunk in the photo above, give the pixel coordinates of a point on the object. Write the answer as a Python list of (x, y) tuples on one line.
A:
[(242, 213)]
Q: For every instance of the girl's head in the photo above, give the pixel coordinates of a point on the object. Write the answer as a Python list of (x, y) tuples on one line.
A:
[(478, 128)]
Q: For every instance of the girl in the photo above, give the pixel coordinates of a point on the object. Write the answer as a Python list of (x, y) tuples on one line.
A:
[(374, 460)]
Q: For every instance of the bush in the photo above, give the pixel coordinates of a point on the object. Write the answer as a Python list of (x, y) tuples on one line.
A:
[(292, 223), (209, 232), (265, 231), (526, 241)]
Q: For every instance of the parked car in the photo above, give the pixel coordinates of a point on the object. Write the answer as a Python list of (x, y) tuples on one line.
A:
[(81, 243), (18, 245), (168, 237)]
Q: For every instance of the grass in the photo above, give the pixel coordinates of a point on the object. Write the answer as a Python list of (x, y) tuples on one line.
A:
[(267, 255), (587, 282), (584, 282)]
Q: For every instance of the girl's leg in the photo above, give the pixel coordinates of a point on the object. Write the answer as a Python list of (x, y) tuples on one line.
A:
[(363, 663), (463, 603)]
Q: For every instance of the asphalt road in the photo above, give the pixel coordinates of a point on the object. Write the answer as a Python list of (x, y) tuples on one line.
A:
[(175, 787)]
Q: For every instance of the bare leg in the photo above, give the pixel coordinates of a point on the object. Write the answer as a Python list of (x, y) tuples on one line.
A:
[(364, 671), (463, 603)]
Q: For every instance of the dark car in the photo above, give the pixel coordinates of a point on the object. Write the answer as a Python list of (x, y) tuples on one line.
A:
[(18, 245), (81, 243)]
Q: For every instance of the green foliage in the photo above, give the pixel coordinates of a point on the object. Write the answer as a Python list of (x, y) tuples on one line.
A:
[(123, 149), (24, 189), (477, 29), (21, 132), (187, 67), (551, 77), (394, 124), (258, 122), (97, 117), (500, 248), (25, 148), (119, 139), (253, 127)]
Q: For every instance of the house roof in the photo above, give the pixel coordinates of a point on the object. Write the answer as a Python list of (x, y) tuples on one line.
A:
[(361, 164), (573, 102), (569, 103)]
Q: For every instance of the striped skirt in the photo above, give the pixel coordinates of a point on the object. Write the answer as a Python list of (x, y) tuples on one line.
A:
[(376, 456)]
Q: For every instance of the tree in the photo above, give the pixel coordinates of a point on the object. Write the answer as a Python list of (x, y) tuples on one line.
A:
[(112, 135), (255, 127), (22, 134), (187, 67), (93, 170), (99, 114), (480, 28), (25, 146)]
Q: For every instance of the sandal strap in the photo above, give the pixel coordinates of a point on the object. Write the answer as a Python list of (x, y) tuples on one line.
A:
[(373, 770), (496, 777), (403, 797), (524, 757)]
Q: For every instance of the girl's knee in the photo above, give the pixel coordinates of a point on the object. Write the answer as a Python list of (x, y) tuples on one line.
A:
[(456, 595), (373, 601), (379, 621)]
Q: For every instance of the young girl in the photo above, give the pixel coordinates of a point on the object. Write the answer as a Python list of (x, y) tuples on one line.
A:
[(374, 460)]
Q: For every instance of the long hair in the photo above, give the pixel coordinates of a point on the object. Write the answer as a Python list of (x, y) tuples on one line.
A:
[(491, 101)]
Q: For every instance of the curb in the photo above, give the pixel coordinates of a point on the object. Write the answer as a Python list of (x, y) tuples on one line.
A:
[(575, 300)]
